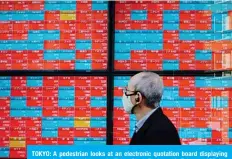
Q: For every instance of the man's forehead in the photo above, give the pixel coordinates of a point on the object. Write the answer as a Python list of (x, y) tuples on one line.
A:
[(130, 84), (134, 80)]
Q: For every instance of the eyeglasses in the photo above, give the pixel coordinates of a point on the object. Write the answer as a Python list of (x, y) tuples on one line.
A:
[(125, 90)]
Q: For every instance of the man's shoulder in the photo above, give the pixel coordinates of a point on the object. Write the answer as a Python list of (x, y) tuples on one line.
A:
[(162, 123)]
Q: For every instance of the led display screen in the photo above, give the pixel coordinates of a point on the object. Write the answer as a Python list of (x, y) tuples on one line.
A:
[(53, 35), (51, 110), (199, 107), (173, 35), (70, 109)]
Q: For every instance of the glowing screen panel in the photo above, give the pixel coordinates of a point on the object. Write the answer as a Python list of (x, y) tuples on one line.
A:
[(53, 35), (51, 110), (173, 35), (199, 107)]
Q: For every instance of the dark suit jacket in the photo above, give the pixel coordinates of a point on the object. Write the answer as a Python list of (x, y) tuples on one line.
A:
[(157, 130)]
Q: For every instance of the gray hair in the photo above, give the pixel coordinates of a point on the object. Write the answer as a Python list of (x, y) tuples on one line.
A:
[(151, 87)]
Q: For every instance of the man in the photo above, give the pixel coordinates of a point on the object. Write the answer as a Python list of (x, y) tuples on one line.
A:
[(142, 97)]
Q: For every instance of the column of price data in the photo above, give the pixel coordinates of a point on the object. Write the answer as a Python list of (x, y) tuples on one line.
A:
[(53, 35), (51, 110), (199, 107), (173, 35)]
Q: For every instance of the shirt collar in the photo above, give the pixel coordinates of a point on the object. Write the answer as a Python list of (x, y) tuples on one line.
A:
[(140, 123)]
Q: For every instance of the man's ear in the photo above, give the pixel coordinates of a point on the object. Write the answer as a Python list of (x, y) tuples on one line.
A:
[(138, 98)]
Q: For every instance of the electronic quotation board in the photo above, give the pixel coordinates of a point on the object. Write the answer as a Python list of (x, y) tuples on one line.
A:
[(53, 35), (51, 110), (199, 107), (173, 35), (73, 35)]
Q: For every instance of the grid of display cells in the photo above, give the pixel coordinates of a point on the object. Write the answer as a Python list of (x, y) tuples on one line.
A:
[(173, 35), (51, 110), (53, 35), (199, 107)]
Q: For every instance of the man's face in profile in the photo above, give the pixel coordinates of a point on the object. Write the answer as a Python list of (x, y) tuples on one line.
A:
[(130, 89), (131, 97)]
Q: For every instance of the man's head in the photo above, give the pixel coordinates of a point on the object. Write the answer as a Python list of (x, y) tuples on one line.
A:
[(144, 92)]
